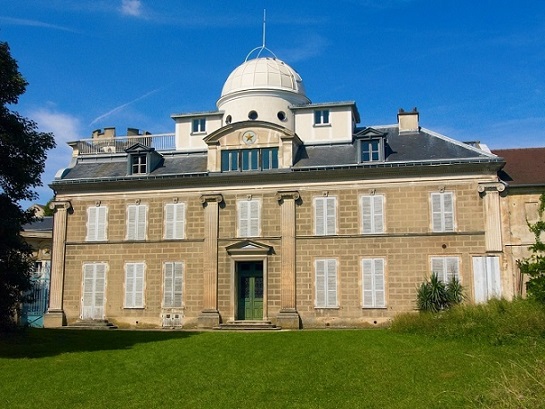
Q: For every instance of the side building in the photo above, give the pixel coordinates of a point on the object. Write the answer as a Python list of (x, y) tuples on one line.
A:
[(271, 210)]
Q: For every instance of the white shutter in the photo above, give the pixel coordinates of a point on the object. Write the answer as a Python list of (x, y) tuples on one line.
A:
[(319, 222), (445, 267), (448, 211), (249, 218), (243, 218), (96, 223), (372, 214), (253, 218), (139, 285), (174, 220), (479, 279), (134, 285), (94, 283), (141, 225), (131, 222), (168, 285), (320, 283), (331, 224), (493, 276), (437, 212), (442, 205), (173, 285), (136, 222), (331, 283), (129, 285), (373, 283), (367, 214), (326, 283), (438, 267), (486, 278)]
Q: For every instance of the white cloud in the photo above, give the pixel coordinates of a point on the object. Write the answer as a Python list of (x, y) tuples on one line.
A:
[(64, 126), (131, 8), (33, 23)]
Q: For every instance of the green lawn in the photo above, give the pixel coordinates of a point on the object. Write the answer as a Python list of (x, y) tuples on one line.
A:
[(300, 369)]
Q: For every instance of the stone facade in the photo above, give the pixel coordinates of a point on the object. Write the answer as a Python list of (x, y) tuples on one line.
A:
[(319, 224)]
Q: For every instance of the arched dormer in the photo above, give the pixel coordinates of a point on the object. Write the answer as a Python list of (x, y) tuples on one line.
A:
[(251, 146)]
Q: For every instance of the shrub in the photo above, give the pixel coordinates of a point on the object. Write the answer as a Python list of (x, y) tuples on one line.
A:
[(433, 295)]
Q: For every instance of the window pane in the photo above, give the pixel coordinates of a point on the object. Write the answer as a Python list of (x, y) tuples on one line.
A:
[(245, 160)]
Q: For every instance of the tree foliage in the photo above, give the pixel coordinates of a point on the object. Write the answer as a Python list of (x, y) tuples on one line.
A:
[(22, 154), (534, 266)]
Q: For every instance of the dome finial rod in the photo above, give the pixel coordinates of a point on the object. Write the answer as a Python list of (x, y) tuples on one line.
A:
[(264, 26), (263, 46)]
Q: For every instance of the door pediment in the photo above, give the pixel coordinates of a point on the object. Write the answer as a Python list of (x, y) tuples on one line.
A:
[(249, 248)]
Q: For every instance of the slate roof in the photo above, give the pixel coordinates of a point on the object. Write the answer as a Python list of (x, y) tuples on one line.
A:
[(524, 167), (43, 224), (421, 147)]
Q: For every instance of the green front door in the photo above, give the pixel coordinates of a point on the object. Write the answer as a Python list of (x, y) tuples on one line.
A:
[(250, 290)]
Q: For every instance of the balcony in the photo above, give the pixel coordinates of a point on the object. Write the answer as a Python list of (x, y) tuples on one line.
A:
[(118, 144)]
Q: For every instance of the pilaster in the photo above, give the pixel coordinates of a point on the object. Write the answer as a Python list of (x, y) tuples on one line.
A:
[(490, 192), (288, 316), (209, 316), (55, 316)]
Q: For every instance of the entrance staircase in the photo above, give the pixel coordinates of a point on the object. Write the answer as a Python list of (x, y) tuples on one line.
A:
[(248, 325), (93, 324)]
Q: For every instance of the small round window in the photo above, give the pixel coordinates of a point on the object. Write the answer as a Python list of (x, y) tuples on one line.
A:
[(228, 119), (281, 115), (252, 115)]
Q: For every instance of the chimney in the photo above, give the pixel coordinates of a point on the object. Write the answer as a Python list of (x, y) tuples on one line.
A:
[(408, 121), (107, 134)]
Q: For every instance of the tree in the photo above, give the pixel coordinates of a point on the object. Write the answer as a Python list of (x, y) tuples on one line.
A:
[(22, 157), (433, 295), (534, 266)]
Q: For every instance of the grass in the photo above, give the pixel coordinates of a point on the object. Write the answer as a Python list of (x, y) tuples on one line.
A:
[(302, 369)]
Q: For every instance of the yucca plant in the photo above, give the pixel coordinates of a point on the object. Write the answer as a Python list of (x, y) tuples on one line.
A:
[(433, 295)]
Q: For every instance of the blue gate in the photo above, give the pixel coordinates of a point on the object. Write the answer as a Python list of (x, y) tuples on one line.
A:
[(33, 312)]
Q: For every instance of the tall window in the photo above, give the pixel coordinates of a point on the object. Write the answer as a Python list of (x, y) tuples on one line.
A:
[(371, 150), (139, 164), (249, 159), (321, 117), (446, 268), (134, 285), (442, 209), (326, 283), (248, 218), (174, 220), (269, 158), (486, 278), (325, 220), (136, 222), (198, 125), (172, 285), (97, 223), (373, 283), (372, 210)]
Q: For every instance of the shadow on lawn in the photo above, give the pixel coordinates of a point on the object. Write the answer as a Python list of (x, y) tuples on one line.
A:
[(39, 343)]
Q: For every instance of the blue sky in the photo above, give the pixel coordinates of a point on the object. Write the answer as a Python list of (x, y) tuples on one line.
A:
[(475, 69)]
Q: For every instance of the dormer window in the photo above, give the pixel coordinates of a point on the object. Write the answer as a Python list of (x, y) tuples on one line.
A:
[(321, 117), (371, 150), (198, 125), (142, 160), (139, 164)]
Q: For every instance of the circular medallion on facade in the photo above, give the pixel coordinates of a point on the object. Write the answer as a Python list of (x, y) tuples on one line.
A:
[(249, 137)]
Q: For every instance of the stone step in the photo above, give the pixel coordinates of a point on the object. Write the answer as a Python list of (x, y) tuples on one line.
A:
[(245, 325), (93, 324)]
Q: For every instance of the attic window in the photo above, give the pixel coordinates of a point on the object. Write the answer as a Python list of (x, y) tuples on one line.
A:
[(142, 160), (198, 126), (321, 117), (371, 150), (139, 164)]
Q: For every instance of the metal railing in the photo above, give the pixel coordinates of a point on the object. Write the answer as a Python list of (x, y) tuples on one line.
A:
[(118, 144)]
